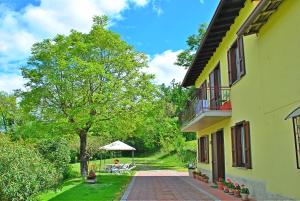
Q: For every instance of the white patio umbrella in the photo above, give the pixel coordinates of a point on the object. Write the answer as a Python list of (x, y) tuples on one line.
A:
[(118, 146)]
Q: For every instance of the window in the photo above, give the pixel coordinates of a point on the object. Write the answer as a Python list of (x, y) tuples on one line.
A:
[(203, 147), (296, 121), (236, 61), (240, 139)]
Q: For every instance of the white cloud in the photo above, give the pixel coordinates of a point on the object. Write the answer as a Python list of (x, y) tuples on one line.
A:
[(156, 7), (163, 67), (10, 82), (19, 30), (141, 3)]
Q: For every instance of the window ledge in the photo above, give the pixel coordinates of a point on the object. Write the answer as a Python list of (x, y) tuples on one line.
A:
[(242, 168), (236, 81)]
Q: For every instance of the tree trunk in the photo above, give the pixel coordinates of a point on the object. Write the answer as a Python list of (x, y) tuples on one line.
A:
[(83, 155)]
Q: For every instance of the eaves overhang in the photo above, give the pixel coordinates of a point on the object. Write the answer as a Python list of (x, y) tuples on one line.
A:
[(221, 22)]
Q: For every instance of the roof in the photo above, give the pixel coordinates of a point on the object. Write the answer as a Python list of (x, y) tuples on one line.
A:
[(117, 146), (221, 22), (259, 16)]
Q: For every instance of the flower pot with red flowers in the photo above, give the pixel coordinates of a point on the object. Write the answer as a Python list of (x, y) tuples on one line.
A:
[(220, 183), (237, 190), (231, 188), (225, 188), (91, 178), (244, 193)]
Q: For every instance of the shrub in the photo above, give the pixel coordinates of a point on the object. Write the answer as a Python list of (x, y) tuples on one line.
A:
[(57, 152), (23, 172)]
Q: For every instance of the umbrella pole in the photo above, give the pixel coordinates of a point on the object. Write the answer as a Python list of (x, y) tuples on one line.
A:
[(132, 154), (100, 162)]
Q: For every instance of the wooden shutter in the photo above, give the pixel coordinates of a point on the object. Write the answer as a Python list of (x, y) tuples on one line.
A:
[(233, 147), (206, 149), (199, 159), (229, 67), (247, 145), (240, 45)]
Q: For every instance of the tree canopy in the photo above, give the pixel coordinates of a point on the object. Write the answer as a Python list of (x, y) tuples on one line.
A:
[(185, 58), (82, 80)]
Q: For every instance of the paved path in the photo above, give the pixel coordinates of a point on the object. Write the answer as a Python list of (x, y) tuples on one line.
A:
[(164, 185)]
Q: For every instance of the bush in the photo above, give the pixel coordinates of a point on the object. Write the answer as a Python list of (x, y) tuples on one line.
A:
[(23, 172), (57, 152)]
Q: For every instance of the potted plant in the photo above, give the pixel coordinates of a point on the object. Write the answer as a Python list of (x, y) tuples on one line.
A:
[(194, 174), (244, 193), (91, 178), (237, 191), (225, 188), (199, 176), (231, 187), (191, 169), (202, 176), (220, 183), (205, 178)]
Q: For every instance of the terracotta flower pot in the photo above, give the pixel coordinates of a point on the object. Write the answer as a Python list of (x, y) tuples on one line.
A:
[(226, 189), (205, 180), (237, 193), (245, 197), (231, 191), (220, 185)]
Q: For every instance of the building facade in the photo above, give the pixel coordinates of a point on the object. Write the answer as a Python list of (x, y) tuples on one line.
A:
[(246, 106)]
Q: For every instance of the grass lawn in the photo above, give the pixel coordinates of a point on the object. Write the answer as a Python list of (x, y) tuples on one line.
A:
[(109, 186)]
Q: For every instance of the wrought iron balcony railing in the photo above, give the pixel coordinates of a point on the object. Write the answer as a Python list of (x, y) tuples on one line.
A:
[(210, 99)]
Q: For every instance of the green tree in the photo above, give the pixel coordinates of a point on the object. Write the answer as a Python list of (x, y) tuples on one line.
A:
[(8, 108), (23, 172), (185, 58), (83, 80)]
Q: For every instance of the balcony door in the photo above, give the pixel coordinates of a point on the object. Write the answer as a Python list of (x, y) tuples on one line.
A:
[(218, 159), (215, 88)]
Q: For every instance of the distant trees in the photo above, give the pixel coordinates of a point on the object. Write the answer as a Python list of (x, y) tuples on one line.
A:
[(8, 108)]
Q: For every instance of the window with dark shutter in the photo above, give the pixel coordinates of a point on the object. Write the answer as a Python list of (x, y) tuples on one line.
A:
[(199, 159), (241, 145), (236, 61), (296, 122), (203, 149)]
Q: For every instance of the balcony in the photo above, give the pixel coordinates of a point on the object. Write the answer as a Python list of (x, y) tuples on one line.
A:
[(207, 107)]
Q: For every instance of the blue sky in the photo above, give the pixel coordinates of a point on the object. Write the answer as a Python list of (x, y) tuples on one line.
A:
[(159, 28)]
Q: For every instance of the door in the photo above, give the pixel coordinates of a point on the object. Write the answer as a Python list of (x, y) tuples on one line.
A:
[(215, 88), (218, 160)]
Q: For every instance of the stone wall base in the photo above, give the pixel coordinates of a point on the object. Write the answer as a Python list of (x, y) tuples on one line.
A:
[(257, 188)]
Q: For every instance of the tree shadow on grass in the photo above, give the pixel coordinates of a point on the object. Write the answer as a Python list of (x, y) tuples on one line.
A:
[(108, 187), (167, 155)]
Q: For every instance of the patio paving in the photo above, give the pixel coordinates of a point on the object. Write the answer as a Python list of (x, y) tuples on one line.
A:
[(165, 185)]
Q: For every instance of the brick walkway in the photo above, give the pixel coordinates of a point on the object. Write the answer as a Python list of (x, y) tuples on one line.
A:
[(165, 185)]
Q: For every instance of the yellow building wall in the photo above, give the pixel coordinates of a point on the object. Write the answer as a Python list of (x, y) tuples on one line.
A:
[(268, 92)]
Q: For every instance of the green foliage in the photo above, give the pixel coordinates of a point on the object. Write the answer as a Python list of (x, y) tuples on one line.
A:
[(23, 173), (8, 108), (84, 82), (185, 58), (57, 152)]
